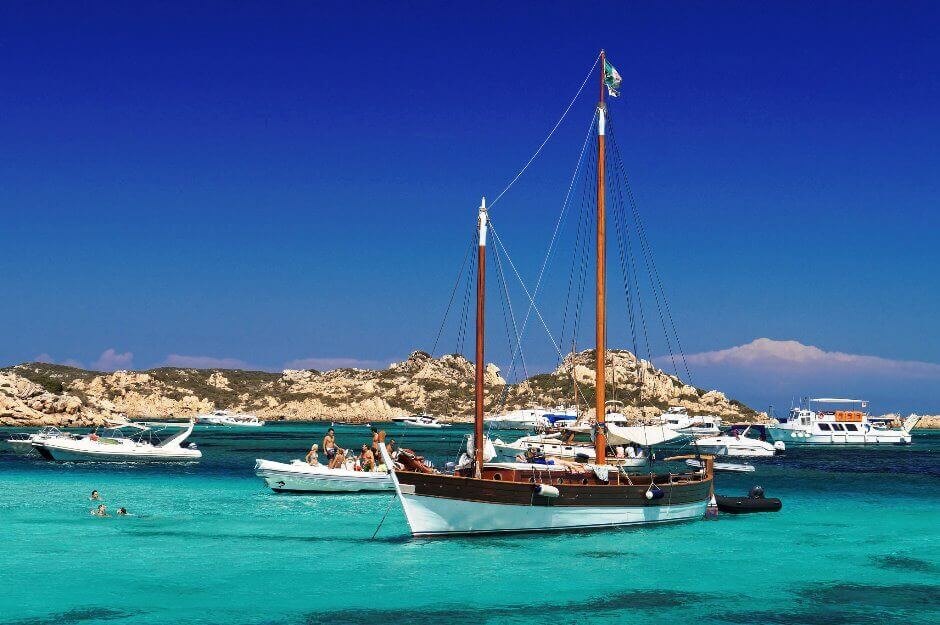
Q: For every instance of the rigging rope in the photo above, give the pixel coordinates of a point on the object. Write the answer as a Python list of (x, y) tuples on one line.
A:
[(453, 292), (552, 132), (644, 242), (551, 245)]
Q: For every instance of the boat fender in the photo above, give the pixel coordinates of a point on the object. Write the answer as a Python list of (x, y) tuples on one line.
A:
[(545, 490), (654, 492), (780, 446)]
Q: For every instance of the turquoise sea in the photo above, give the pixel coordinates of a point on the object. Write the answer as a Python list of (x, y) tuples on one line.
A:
[(857, 541)]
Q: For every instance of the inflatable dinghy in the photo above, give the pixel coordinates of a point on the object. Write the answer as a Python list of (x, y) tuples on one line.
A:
[(754, 502)]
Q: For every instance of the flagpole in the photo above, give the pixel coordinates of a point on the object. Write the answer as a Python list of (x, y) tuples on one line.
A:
[(600, 403)]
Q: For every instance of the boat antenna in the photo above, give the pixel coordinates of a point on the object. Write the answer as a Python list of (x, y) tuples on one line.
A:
[(478, 382), (600, 436)]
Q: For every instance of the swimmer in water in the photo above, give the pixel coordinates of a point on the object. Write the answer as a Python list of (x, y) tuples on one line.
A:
[(95, 496)]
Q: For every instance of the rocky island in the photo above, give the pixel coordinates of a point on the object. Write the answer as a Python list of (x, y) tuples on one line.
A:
[(46, 394)]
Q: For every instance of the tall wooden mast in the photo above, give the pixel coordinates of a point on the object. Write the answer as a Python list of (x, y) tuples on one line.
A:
[(600, 435), (478, 384)]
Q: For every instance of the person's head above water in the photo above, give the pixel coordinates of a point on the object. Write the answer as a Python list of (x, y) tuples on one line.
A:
[(122, 511), (95, 495)]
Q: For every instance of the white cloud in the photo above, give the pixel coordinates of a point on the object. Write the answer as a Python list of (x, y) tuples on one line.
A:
[(325, 364), (793, 356), (204, 362), (110, 360)]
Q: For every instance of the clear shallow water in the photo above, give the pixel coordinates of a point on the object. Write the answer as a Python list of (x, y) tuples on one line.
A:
[(858, 541)]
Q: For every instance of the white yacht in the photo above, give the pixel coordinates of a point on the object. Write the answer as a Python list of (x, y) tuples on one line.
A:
[(528, 419), (125, 442), (419, 421), (22, 442), (737, 443), (229, 419), (300, 477), (553, 446), (822, 423), (678, 418)]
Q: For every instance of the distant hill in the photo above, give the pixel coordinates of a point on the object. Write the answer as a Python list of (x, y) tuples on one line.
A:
[(39, 393)]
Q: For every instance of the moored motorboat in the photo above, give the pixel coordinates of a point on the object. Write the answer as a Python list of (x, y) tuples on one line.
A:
[(228, 418), (124, 442), (530, 419), (737, 443), (22, 442), (677, 418), (419, 421), (821, 423), (300, 477)]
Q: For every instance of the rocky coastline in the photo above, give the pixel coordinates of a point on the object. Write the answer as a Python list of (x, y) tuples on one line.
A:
[(34, 394)]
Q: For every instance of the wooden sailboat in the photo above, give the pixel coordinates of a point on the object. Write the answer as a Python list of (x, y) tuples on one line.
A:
[(492, 497)]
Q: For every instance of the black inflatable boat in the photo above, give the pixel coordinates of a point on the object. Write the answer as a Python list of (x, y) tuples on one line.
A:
[(754, 502)]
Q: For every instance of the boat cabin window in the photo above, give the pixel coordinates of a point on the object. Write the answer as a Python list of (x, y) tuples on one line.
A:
[(837, 427), (851, 427), (824, 427), (805, 420)]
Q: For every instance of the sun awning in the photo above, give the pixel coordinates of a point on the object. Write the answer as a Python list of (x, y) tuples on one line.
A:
[(644, 435)]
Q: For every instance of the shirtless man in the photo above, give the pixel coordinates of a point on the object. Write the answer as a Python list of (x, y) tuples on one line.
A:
[(367, 459), (329, 447)]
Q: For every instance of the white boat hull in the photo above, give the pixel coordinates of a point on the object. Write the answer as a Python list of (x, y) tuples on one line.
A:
[(74, 451), (21, 448), (437, 516), (800, 438), (299, 477), (733, 451)]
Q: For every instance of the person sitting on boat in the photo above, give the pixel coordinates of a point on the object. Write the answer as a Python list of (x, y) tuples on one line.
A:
[(330, 448), (311, 458), (390, 447), (535, 456), (339, 459), (367, 459)]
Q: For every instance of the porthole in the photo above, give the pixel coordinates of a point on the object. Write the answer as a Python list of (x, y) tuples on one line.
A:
[(497, 476)]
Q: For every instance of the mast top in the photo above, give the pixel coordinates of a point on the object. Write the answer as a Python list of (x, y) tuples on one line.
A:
[(482, 240)]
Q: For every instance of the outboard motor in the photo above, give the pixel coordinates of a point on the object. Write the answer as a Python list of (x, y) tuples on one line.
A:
[(756, 492)]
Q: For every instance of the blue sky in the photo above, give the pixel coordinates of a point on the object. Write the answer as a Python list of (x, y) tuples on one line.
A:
[(258, 185)]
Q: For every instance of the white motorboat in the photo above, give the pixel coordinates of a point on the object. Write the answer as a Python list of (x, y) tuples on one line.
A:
[(22, 442), (678, 418), (529, 419), (419, 421), (737, 443), (125, 442), (826, 425), (300, 477), (228, 418), (553, 446)]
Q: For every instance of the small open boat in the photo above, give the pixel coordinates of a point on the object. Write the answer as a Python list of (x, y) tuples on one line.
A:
[(754, 502), (300, 477)]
